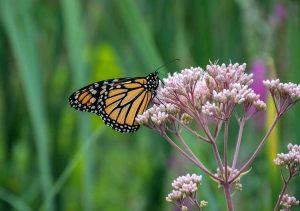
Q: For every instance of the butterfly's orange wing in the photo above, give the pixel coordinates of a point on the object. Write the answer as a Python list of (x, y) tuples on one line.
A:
[(116, 101)]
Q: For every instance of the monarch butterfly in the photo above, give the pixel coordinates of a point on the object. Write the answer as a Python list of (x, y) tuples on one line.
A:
[(117, 101)]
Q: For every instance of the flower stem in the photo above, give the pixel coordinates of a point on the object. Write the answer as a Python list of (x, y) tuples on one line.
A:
[(218, 129), (190, 130), (226, 188), (217, 156), (187, 148), (194, 201), (258, 149), (215, 148), (238, 144), (226, 150), (200, 165), (284, 187), (198, 205)]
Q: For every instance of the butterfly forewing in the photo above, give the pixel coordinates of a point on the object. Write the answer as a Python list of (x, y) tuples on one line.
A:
[(85, 99), (118, 105)]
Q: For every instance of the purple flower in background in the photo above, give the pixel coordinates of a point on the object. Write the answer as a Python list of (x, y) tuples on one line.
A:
[(279, 14), (258, 70), (259, 74)]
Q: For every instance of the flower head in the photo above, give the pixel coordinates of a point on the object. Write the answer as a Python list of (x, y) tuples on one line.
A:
[(291, 159), (237, 185), (226, 75), (184, 186), (184, 208), (186, 118), (209, 91), (175, 195), (157, 115), (285, 95), (184, 89), (202, 95), (203, 203), (287, 202), (187, 184)]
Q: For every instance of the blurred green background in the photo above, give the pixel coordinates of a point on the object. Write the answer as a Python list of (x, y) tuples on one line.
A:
[(55, 158)]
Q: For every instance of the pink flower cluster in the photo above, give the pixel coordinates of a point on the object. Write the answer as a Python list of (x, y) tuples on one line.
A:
[(157, 115), (285, 95), (289, 90), (225, 75), (200, 93), (292, 158), (291, 161), (184, 89), (184, 186), (287, 202)]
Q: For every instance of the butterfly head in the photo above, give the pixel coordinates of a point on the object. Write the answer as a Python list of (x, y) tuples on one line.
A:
[(153, 81)]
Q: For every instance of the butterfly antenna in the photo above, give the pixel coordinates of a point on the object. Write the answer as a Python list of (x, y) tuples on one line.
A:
[(159, 101), (166, 64), (174, 60)]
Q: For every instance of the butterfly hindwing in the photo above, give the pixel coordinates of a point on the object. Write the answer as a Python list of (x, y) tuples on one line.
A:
[(86, 98)]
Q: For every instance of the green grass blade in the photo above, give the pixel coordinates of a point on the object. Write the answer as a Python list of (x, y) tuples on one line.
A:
[(75, 39), (79, 156), (19, 28), (16, 202), (139, 33)]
